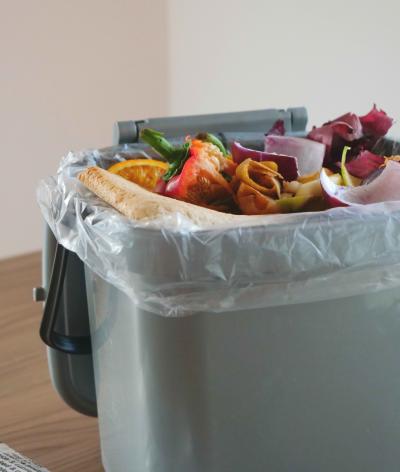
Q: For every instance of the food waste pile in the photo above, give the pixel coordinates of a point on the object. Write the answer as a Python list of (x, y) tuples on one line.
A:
[(334, 165)]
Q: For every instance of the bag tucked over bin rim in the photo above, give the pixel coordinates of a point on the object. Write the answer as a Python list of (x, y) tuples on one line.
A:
[(171, 267)]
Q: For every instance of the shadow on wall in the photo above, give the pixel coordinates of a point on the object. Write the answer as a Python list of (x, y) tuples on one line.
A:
[(69, 70)]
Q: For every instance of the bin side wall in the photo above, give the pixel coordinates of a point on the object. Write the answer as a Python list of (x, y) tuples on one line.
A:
[(303, 387)]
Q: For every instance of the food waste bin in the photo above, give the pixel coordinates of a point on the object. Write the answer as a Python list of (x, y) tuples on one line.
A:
[(270, 347)]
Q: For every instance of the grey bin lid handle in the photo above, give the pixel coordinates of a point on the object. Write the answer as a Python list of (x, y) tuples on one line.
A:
[(295, 120), (61, 342)]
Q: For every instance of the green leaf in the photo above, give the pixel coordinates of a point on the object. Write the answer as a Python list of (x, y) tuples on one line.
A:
[(179, 160)]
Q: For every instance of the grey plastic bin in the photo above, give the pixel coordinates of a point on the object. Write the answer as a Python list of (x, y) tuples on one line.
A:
[(305, 387)]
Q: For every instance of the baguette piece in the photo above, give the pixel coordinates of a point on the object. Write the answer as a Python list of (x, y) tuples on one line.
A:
[(138, 203)]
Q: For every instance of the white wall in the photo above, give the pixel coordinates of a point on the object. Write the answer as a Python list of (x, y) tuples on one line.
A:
[(68, 70), (330, 56)]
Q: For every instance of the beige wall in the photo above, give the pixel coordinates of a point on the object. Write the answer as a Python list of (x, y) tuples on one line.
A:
[(68, 70), (329, 56)]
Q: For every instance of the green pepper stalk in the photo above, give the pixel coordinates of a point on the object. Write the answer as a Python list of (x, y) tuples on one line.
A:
[(176, 156), (211, 138), (156, 140)]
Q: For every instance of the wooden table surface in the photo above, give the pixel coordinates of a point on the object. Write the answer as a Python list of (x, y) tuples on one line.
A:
[(33, 419)]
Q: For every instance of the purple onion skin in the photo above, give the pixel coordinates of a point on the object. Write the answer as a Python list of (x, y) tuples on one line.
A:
[(383, 188), (365, 164), (309, 154), (376, 123), (359, 132), (278, 129), (160, 187), (328, 192)]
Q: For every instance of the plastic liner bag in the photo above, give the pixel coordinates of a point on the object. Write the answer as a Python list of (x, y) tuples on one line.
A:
[(172, 268)]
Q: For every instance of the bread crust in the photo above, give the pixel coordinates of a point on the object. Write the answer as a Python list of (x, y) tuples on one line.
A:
[(138, 203)]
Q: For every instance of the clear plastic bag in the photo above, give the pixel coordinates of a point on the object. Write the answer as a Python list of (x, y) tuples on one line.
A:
[(171, 267)]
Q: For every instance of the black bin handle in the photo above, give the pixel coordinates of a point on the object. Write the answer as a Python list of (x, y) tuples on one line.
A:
[(61, 342)]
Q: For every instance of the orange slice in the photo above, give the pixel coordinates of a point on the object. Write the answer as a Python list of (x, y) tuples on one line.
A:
[(144, 172)]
